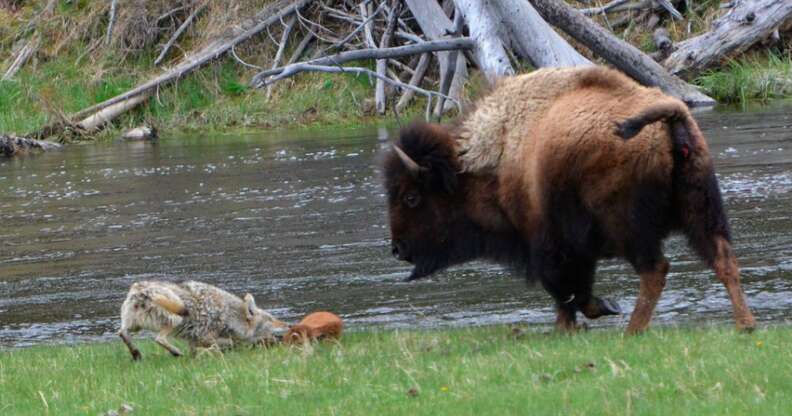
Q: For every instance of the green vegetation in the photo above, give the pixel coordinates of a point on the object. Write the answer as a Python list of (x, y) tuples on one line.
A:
[(486, 370), (756, 77), (75, 68)]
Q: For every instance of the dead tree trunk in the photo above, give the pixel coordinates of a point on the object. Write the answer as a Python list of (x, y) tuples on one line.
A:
[(13, 145), (435, 25), (215, 49), (483, 23), (618, 52), (533, 39), (30, 48), (745, 24)]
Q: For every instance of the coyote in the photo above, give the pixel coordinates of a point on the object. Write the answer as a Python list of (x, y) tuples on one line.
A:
[(200, 313), (315, 326)]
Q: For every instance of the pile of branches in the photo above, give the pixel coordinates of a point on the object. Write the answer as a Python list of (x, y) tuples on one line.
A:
[(424, 47)]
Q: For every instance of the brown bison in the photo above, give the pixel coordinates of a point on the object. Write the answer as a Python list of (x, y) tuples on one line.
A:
[(553, 171)]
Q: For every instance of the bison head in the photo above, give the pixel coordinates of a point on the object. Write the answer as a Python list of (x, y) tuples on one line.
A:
[(425, 199)]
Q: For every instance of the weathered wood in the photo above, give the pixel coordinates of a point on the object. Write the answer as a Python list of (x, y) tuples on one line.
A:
[(308, 67), (282, 47), (237, 34), (533, 39), (415, 80), (666, 4), (619, 53), (742, 26), (28, 49), (301, 47), (107, 114), (435, 25), (378, 53), (484, 26), (14, 145), (187, 22), (111, 21), (380, 98), (593, 11)]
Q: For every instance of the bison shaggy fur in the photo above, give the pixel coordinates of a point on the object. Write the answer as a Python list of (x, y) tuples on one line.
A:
[(553, 171)]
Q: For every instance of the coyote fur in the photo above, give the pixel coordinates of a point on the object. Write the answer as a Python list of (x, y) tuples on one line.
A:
[(202, 314)]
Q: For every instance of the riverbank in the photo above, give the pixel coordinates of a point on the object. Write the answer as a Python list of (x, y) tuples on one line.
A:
[(78, 64), (484, 370)]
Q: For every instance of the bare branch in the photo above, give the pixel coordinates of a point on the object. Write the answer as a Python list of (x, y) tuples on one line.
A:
[(307, 67), (417, 76), (282, 47), (111, 21), (379, 53), (178, 33), (593, 11)]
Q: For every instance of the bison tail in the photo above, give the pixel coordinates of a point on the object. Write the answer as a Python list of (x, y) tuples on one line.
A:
[(668, 108), (684, 131)]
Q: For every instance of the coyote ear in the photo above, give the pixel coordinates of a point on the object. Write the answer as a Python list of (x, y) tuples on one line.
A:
[(250, 307)]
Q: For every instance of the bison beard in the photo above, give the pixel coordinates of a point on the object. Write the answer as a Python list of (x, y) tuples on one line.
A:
[(608, 169)]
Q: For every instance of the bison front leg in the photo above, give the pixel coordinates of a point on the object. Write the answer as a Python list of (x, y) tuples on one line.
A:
[(727, 271), (652, 283)]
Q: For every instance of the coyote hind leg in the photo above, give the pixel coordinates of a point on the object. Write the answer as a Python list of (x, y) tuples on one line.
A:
[(162, 340)]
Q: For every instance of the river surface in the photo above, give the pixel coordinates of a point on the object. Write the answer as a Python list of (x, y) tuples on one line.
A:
[(299, 220)]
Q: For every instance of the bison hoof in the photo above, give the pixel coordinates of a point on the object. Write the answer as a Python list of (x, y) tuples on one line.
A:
[(136, 356), (610, 307)]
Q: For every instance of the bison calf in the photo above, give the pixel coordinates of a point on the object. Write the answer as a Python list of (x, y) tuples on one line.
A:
[(315, 326), (202, 314), (553, 171)]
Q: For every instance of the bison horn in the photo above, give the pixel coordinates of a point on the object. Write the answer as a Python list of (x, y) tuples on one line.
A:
[(410, 164)]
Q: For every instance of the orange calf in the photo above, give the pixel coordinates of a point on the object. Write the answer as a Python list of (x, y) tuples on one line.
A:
[(315, 326)]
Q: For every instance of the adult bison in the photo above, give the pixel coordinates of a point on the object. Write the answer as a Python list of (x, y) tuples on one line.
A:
[(554, 170)]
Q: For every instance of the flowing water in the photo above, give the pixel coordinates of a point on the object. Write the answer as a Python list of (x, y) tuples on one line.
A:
[(299, 220)]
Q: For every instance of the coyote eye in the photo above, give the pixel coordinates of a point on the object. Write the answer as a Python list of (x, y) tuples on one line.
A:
[(412, 199)]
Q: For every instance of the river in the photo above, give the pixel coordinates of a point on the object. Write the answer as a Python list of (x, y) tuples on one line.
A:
[(299, 220)]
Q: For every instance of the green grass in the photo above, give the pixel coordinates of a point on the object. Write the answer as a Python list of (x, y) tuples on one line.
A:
[(456, 372), (751, 78)]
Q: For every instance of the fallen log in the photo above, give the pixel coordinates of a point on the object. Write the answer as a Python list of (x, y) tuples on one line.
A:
[(533, 39), (593, 11), (307, 67), (100, 118), (284, 40), (28, 49), (483, 23), (747, 23), (272, 13), (14, 145), (187, 22), (435, 25), (379, 53), (617, 52), (415, 80)]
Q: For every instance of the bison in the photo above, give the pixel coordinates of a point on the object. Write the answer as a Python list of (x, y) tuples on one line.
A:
[(554, 170)]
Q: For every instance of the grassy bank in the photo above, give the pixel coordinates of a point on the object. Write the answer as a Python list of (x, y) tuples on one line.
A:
[(75, 67), (457, 372)]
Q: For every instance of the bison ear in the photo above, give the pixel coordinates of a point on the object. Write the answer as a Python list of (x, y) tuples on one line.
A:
[(250, 307)]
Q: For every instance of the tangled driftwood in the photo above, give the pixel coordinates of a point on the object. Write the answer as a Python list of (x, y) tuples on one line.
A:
[(418, 46)]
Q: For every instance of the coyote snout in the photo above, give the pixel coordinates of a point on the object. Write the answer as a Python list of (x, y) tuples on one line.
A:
[(200, 313)]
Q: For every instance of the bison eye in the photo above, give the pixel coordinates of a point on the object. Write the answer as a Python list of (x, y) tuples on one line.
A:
[(412, 199)]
